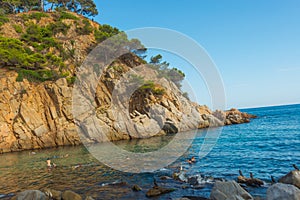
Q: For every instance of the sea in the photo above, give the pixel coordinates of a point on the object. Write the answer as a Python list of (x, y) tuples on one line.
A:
[(267, 146)]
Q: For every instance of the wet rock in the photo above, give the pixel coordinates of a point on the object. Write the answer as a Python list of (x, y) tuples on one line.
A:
[(136, 188), (170, 128), (292, 178), (156, 191), (181, 176), (280, 191), (119, 184), (229, 190), (254, 182), (194, 198), (165, 178), (70, 195), (54, 194), (235, 116), (31, 195), (193, 180)]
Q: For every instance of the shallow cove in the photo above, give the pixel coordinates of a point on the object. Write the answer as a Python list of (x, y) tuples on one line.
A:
[(269, 145)]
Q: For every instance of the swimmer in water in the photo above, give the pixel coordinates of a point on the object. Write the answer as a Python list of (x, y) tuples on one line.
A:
[(49, 165), (193, 159)]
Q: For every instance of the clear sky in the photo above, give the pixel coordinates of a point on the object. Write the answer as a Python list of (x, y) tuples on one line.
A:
[(254, 43)]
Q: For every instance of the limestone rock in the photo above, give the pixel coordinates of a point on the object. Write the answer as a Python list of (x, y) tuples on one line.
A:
[(70, 195), (89, 198), (280, 191), (170, 128), (229, 190), (31, 195), (136, 188), (35, 116), (292, 178), (156, 191), (53, 194)]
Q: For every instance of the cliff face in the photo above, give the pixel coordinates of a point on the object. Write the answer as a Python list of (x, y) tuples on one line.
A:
[(39, 115)]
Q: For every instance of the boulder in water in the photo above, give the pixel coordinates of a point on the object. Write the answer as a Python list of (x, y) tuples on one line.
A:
[(193, 180), (53, 194), (280, 191), (292, 178), (229, 190), (70, 195), (31, 195), (156, 191), (136, 188)]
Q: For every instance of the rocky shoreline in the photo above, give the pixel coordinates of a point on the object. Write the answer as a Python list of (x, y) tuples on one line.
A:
[(38, 116), (287, 187)]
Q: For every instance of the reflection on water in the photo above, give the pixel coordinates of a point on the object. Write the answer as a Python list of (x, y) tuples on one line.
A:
[(27, 170)]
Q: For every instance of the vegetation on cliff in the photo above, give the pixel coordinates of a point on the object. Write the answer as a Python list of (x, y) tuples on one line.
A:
[(46, 46), (83, 7)]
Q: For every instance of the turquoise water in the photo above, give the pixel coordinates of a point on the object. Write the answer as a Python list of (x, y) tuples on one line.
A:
[(269, 145)]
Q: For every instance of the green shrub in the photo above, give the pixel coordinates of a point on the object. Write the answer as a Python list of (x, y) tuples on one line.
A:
[(105, 31), (36, 75), (37, 15), (18, 28), (71, 80), (35, 33), (86, 29), (3, 20), (58, 27), (67, 15)]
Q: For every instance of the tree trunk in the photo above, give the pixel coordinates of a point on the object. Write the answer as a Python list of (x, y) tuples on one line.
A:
[(42, 5)]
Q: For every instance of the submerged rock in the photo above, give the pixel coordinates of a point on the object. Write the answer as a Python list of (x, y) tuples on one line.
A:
[(292, 178), (229, 190), (280, 191), (70, 195), (192, 198), (181, 176), (136, 188), (156, 191), (53, 194), (30, 195), (165, 178)]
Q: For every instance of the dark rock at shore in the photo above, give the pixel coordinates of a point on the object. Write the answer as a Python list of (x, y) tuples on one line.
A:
[(280, 191), (193, 180), (194, 198), (253, 182), (136, 188), (70, 195), (30, 195), (170, 128), (229, 190), (53, 194), (156, 191), (89, 198), (165, 178), (234, 116), (293, 178)]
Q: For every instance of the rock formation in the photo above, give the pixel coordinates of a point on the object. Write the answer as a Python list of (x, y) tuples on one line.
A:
[(229, 190), (39, 115)]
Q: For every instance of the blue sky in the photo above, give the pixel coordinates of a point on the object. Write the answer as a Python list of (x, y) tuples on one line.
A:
[(255, 44)]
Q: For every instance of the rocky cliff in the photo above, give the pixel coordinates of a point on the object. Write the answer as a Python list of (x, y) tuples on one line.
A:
[(39, 114)]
